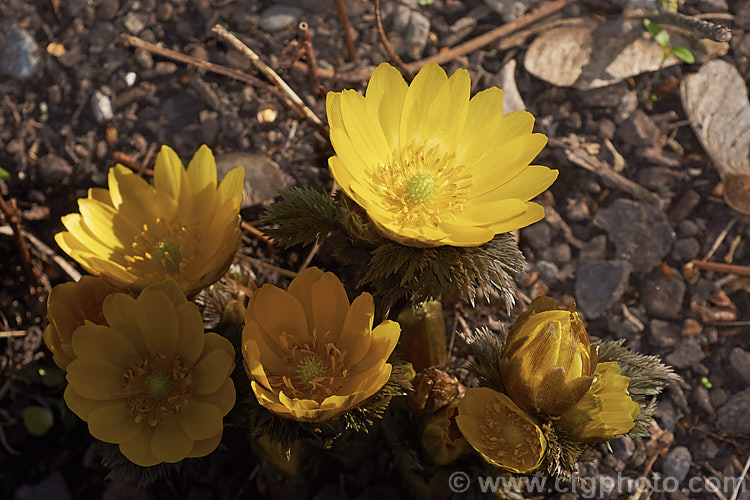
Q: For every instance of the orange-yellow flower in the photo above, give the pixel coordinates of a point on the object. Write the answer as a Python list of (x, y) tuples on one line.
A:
[(152, 381), (70, 305), (548, 361), (431, 167), (505, 435), (310, 354), (605, 411), (136, 234)]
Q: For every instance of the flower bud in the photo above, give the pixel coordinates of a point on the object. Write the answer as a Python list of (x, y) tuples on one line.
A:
[(441, 438), (548, 362)]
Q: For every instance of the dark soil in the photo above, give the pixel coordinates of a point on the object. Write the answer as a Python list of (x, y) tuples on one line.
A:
[(56, 145)]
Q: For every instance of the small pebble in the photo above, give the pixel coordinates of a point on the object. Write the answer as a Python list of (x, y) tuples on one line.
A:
[(20, 57), (101, 106), (537, 236), (677, 463), (277, 17), (130, 79), (135, 22)]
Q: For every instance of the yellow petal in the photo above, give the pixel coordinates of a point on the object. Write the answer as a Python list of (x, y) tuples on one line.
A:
[(210, 372), (79, 405), (268, 354), (363, 129), (190, 341), (230, 189), (533, 213), (158, 322), (465, 236), (121, 313), (482, 120), (96, 342), (223, 399), (329, 304), (112, 423), (333, 110), (96, 379), (170, 443), (447, 115), (385, 99), (505, 161), (200, 420), (302, 289), (278, 311), (203, 447), (530, 182), (384, 339), (201, 175), (356, 333), (420, 95), (500, 210), (168, 173), (138, 450)]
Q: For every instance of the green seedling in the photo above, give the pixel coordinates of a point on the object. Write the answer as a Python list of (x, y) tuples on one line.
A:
[(38, 420), (662, 38), (4, 174), (706, 383)]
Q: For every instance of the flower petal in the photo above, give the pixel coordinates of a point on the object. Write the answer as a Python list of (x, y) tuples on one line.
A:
[(210, 372), (203, 447), (170, 443), (95, 342), (223, 399), (420, 95), (96, 379), (278, 311), (302, 289), (158, 321), (329, 304), (385, 99), (356, 333), (191, 338), (138, 450), (530, 182), (121, 313), (79, 405), (113, 423), (384, 339), (200, 420)]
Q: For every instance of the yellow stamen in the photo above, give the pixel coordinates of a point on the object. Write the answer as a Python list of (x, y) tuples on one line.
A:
[(158, 387)]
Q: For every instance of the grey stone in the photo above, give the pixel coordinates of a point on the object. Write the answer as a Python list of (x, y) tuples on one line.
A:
[(666, 415), (559, 254), (641, 232), (687, 354), (739, 359), (623, 447), (417, 33), (135, 22), (101, 106), (107, 9), (639, 130), (732, 417), (702, 399), (263, 177), (718, 397), (547, 271), (686, 249), (628, 104), (662, 295), (277, 17), (20, 57), (687, 228), (537, 236), (663, 333), (677, 463), (600, 284), (594, 249), (53, 169), (509, 9), (401, 17)]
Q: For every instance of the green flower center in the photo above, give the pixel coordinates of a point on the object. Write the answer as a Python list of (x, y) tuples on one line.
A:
[(421, 189), (310, 368), (167, 254), (158, 386)]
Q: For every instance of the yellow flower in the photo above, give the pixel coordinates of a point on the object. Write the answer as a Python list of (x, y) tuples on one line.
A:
[(68, 307), (500, 431), (548, 361), (312, 356), (431, 167), (152, 381), (183, 226), (605, 411)]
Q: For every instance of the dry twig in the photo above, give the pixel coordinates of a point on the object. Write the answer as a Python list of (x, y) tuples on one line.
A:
[(312, 75), (271, 75), (722, 268), (346, 26), (388, 47), (457, 51), (13, 218)]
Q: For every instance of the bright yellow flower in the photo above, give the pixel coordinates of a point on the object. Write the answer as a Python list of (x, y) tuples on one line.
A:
[(432, 167), (605, 411), (312, 356), (548, 361), (152, 381), (68, 307), (500, 431), (183, 226)]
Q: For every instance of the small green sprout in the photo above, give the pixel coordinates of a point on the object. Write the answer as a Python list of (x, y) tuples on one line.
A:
[(38, 420), (425, 3), (4, 174), (706, 383), (662, 38)]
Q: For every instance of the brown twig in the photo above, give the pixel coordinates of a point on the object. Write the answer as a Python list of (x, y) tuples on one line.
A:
[(236, 74), (388, 47), (131, 163), (246, 226), (346, 26), (722, 268), (45, 252), (312, 75), (13, 218), (457, 51), (261, 263), (271, 75)]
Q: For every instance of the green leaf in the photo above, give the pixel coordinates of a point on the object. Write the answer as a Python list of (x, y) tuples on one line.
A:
[(425, 3), (303, 216), (4, 174), (683, 54), (661, 36), (37, 420)]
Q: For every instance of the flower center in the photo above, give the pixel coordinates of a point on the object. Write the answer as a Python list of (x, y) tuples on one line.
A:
[(310, 368), (315, 369), (422, 184), (158, 387), (510, 438), (162, 249), (167, 254)]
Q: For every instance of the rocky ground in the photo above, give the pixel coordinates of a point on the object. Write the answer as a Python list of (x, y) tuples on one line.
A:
[(76, 99)]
